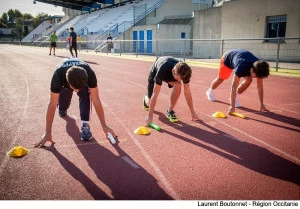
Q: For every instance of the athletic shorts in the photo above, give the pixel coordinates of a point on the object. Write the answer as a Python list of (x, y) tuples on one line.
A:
[(224, 71), (53, 44)]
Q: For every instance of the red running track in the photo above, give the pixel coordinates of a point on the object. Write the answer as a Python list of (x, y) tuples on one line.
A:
[(230, 159)]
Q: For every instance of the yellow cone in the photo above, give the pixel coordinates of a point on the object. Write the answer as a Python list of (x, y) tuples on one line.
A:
[(141, 131), (17, 151), (219, 114)]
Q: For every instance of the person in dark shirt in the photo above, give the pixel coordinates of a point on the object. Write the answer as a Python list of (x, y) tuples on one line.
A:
[(109, 43), (74, 75), (73, 42), (173, 72), (246, 66)]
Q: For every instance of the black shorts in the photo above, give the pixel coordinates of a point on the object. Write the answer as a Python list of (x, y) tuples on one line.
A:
[(53, 44), (170, 86)]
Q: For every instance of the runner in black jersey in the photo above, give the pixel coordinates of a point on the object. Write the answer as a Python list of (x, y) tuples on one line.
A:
[(74, 75), (73, 42), (173, 72)]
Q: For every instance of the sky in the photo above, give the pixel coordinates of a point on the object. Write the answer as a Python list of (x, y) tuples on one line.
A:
[(27, 6)]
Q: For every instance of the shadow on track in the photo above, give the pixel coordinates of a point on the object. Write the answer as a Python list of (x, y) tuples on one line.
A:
[(272, 115), (125, 181), (79, 175), (251, 156)]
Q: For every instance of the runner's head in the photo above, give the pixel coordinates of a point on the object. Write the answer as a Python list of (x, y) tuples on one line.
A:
[(261, 69), (184, 71), (77, 77)]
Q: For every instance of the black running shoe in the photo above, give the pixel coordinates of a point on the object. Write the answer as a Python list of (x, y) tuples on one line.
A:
[(62, 113), (171, 116)]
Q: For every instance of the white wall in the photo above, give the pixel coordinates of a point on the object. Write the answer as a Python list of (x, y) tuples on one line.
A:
[(174, 8), (246, 19), (207, 25)]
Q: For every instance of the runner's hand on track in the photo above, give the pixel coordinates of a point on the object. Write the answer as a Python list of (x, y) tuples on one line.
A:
[(148, 120), (45, 138), (107, 129)]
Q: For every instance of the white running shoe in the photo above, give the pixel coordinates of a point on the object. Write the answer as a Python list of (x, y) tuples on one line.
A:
[(237, 104), (210, 95)]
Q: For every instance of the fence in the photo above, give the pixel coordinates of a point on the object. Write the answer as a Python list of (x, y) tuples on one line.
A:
[(276, 50)]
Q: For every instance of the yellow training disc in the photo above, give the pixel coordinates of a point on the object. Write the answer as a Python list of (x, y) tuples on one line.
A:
[(219, 114), (142, 131), (17, 151)]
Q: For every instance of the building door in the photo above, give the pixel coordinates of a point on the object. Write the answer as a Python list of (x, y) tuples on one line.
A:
[(149, 41), (135, 38), (142, 42)]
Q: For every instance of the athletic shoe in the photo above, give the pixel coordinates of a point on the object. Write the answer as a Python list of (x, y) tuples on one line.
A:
[(86, 134), (237, 104), (171, 116), (62, 113), (210, 95), (145, 106)]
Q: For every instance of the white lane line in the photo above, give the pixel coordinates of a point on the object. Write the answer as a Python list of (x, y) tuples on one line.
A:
[(283, 109), (236, 139), (158, 172), (244, 133), (260, 141), (13, 141), (290, 104), (74, 117), (124, 79), (130, 162), (137, 84), (107, 90)]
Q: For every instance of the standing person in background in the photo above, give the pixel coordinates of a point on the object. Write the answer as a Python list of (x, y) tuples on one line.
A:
[(73, 42), (53, 40), (109, 43)]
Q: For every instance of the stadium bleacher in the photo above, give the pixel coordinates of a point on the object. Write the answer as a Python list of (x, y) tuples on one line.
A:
[(101, 21)]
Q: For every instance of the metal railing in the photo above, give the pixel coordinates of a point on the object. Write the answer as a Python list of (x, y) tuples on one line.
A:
[(275, 50)]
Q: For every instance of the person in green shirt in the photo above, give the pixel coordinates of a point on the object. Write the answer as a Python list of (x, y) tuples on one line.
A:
[(53, 39)]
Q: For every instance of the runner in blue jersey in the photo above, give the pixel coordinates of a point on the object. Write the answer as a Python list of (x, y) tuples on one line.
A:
[(245, 67)]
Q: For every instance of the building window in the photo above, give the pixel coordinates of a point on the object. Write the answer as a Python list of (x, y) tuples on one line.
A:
[(276, 26), (182, 35)]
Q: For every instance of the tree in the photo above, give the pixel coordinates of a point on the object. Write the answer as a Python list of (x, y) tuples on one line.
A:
[(27, 16), (39, 18), (11, 15), (19, 26), (4, 18), (15, 19)]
